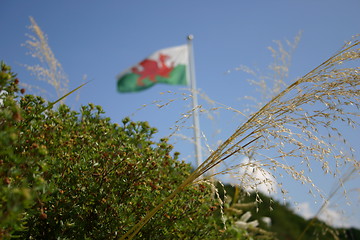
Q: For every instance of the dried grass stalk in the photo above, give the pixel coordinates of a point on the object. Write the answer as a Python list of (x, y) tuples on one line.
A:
[(49, 70), (291, 122)]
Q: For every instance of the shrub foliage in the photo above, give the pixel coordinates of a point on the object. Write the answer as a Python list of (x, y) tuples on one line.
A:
[(75, 175)]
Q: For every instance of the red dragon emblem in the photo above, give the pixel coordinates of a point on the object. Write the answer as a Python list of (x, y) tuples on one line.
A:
[(152, 68)]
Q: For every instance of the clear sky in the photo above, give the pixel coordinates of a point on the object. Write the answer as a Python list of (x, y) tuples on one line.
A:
[(100, 39)]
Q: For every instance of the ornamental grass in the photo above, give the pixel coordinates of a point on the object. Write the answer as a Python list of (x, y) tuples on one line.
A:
[(289, 129)]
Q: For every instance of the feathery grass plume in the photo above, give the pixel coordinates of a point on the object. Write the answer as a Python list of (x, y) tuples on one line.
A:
[(281, 64), (270, 84), (253, 175), (291, 123), (49, 70)]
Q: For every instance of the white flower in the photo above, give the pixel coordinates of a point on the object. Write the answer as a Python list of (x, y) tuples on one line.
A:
[(243, 224)]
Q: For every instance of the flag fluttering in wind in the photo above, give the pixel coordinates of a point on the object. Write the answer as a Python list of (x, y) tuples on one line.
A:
[(167, 65)]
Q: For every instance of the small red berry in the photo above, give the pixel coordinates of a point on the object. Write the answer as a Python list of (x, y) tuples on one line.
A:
[(7, 181), (43, 216)]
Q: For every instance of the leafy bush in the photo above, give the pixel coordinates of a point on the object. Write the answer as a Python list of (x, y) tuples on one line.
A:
[(21, 175), (76, 175)]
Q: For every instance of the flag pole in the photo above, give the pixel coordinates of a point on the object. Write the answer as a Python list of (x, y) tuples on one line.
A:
[(196, 123)]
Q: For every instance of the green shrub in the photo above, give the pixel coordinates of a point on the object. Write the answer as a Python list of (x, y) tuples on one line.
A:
[(76, 175), (20, 176)]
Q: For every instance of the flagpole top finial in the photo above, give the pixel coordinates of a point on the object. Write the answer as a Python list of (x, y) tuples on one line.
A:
[(190, 37)]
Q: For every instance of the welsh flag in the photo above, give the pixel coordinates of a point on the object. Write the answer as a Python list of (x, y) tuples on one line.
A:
[(167, 65)]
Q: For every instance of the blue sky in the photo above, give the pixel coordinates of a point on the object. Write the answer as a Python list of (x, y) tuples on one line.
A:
[(101, 39)]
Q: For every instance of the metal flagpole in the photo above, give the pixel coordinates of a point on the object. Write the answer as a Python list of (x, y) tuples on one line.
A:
[(194, 102)]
